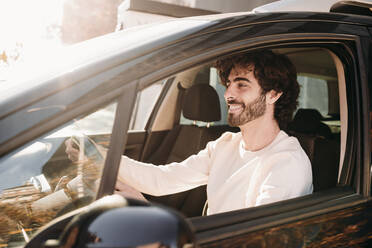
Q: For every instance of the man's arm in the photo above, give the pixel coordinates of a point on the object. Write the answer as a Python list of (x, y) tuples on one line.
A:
[(166, 179)]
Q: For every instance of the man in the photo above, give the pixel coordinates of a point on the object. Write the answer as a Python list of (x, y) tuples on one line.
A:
[(259, 165)]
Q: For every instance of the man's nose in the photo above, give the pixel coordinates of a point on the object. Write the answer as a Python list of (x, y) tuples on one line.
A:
[(229, 93)]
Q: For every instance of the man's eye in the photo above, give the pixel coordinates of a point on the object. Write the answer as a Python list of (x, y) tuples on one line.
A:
[(242, 85)]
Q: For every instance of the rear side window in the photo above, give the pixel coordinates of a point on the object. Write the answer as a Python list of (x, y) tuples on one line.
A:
[(313, 94), (145, 102)]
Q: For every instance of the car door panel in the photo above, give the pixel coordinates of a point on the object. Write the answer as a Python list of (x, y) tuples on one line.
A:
[(134, 146), (342, 228), (356, 217), (143, 146), (152, 152)]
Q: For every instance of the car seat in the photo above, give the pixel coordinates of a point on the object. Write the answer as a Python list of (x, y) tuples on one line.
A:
[(308, 121), (317, 141), (200, 103)]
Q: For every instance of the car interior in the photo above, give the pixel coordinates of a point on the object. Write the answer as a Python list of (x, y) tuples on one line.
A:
[(190, 112)]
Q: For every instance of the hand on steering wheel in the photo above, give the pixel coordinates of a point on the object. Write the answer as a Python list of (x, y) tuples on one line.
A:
[(72, 150)]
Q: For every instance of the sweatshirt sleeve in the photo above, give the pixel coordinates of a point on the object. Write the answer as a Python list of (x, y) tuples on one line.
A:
[(167, 179)]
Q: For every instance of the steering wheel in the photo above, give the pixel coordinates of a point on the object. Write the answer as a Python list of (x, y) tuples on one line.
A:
[(89, 166)]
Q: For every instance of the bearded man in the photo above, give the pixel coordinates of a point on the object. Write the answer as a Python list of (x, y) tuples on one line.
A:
[(259, 165)]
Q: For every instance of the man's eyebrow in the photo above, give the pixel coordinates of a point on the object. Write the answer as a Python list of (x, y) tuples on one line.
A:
[(241, 79)]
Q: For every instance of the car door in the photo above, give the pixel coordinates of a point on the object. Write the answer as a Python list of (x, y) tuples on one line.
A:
[(340, 215)]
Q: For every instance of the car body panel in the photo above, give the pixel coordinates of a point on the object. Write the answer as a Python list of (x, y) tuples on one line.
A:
[(343, 228), (295, 5)]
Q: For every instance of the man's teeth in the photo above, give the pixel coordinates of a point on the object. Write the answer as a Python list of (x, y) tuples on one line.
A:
[(234, 107)]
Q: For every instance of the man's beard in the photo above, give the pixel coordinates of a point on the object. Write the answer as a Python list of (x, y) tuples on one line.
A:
[(250, 112)]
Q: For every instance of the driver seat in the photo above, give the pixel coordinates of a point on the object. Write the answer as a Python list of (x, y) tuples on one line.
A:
[(200, 103)]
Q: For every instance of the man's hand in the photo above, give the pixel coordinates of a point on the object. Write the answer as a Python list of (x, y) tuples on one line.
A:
[(128, 191), (72, 150)]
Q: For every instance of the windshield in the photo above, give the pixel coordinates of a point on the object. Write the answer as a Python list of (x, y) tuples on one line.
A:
[(40, 182)]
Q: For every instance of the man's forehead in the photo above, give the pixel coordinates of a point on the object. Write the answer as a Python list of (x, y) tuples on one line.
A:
[(241, 69)]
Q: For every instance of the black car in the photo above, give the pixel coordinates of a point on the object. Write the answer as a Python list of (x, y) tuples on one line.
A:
[(124, 93)]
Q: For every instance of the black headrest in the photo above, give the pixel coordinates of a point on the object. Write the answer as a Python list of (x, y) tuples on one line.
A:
[(309, 121), (309, 116), (201, 103)]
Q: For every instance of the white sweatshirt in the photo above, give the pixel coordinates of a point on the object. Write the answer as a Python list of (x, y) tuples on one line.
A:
[(235, 178)]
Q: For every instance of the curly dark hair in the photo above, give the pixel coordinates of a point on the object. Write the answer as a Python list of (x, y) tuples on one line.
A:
[(273, 72)]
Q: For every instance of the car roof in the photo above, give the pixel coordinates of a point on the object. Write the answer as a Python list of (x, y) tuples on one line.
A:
[(306, 5), (96, 55), (85, 69), (99, 54)]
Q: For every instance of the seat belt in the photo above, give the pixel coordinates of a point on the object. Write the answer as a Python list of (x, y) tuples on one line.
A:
[(181, 93)]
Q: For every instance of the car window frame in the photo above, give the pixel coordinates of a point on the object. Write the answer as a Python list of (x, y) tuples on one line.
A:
[(118, 140), (364, 60), (120, 95), (310, 204), (266, 42)]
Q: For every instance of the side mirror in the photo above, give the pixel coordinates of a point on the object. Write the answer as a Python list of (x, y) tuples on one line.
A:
[(114, 221)]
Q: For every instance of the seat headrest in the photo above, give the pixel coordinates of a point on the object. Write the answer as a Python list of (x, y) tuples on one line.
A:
[(308, 116), (201, 103), (309, 121)]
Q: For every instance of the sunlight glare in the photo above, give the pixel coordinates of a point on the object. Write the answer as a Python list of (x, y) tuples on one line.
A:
[(30, 30)]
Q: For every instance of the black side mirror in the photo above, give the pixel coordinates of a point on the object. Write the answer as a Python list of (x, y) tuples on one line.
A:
[(114, 221)]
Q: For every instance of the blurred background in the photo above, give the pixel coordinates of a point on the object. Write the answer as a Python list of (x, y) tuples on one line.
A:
[(32, 30)]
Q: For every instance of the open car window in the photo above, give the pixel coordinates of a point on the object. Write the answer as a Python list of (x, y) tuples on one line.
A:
[(40, 182), (319, 122)]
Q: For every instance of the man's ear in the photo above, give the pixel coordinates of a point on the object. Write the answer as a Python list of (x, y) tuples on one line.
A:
[(272, 96)]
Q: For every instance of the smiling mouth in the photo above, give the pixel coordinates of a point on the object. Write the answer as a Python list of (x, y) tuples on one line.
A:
[(235, 108)]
